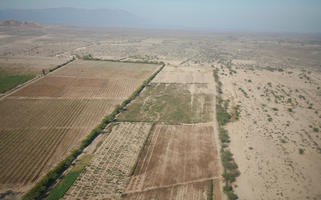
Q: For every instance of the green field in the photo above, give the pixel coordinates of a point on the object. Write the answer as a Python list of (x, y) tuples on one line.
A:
[(170, 103), (9, 80)]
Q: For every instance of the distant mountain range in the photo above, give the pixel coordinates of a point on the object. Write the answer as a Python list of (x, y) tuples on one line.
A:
[(74, 16), (18, 23)]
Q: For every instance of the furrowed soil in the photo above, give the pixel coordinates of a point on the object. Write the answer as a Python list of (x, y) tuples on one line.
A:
[(177, 162), (41, 123)]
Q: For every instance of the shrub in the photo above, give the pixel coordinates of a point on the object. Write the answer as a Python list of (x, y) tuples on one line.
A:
[(301, 151), (222, 116), (223, 135)]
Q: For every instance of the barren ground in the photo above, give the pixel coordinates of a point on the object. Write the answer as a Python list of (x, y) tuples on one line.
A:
[(277, 120)]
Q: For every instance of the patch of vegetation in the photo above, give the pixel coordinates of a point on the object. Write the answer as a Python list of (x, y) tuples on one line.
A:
[(275, 109), (245, 94), (170, 103), (315, 129), (236, 111), (301, 151), (223, 135), (9, 80), (230, 167), (222, 115), (228, 190), (61, 65), (62, 187), (272, 69), (91, 57), (210, 190)]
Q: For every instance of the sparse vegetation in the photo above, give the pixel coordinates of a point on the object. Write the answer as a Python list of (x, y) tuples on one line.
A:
[(222, 116), (245, 94), (62, 187)]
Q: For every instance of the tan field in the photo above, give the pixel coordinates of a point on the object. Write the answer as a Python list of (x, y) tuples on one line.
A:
[(157, 173)]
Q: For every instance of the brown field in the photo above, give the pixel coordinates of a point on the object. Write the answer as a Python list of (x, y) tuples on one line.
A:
[(186, 75), (90, 79), (177, 161), (29, 64), (107, 174), (42, 122), (73, 87)]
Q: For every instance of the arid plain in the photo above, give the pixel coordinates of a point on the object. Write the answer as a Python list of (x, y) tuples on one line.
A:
[(167, 142)]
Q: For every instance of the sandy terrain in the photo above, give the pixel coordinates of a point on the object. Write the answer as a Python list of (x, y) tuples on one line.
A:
[(278, 115)]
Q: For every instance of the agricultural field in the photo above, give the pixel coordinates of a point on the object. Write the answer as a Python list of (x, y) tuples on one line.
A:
[(178, 162), (175, 99), (17, 70), (42, 122), (90, 79), (170, 103), (108, 172), (276, 143)]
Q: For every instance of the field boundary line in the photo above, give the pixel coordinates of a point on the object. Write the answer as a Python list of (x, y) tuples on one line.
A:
[(33, 80), (174, 185)]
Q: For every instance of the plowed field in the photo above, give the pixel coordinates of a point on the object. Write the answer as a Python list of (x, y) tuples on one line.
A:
[(42, 122), (177, 162)]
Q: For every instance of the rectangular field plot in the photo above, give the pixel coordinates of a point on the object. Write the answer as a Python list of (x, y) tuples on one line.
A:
[(90, 79), (105, 69), (172, 103), (187, 75), (70, 87), (176, 161), (48, 113), (36, 133), (27, 153), (107, 174)]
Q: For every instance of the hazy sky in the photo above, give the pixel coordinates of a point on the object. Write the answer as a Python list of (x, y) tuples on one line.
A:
[(256, 15)]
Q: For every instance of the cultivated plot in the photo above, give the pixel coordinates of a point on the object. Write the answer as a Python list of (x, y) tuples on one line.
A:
[(90, 79), (178, 161), (107, 174), (171, 103), (42, 122), (187, 75)]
